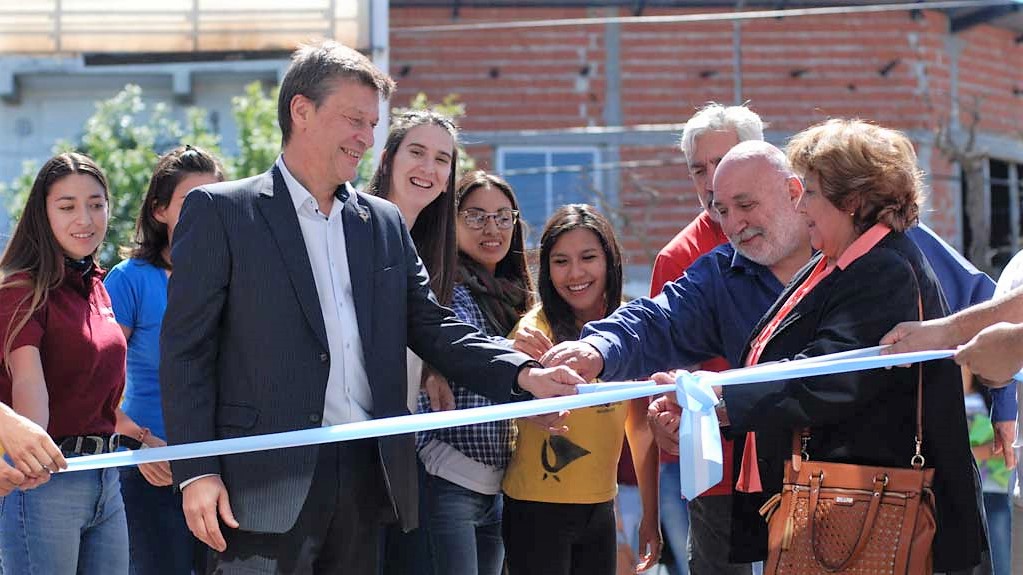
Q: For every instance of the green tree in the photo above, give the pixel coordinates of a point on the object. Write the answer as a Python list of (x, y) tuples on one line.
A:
[(259, 135), (125, 136)]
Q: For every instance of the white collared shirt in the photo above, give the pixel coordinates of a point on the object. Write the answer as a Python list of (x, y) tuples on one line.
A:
[(348, 397)]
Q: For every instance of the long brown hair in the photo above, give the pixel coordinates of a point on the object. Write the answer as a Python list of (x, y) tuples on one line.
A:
[(33, 257), (151, 236), (511, 274), (434, 230), (565, 219), (513, 265)]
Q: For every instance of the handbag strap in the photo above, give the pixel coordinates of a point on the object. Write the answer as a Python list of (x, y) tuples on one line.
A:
[(917, 461), (802, 436), (868, 522)]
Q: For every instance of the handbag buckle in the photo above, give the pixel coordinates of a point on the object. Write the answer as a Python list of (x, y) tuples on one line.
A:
[(917, 461)]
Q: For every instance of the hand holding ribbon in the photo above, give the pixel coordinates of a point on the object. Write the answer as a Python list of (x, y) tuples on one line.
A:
[(695, 394)]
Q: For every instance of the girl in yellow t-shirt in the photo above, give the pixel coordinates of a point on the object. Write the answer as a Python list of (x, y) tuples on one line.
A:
[(560, 488)]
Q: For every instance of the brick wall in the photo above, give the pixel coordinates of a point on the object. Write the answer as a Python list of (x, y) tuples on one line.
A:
[(891, 68)]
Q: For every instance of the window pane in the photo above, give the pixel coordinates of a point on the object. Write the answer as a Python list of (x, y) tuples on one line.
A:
[(531, 189), (575, 186)]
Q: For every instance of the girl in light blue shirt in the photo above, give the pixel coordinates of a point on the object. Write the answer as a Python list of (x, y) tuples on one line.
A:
[(160, 542)]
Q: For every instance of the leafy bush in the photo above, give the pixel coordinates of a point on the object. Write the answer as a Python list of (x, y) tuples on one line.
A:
[(126, 136)]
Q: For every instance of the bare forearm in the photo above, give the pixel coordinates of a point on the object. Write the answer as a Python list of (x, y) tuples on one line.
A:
[(644, 456), (31, 400), (969, 322), (125, 425)]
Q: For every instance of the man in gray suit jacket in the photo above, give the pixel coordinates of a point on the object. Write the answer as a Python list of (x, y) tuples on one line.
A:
[(291, 304)]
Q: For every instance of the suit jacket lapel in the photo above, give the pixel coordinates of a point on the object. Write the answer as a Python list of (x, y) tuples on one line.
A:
[(359, 246), (279, 211)]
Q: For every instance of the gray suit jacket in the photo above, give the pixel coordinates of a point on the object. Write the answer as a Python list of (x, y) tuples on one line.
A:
[(244, 348)]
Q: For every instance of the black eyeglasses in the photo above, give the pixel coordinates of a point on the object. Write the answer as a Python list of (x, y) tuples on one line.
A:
[(476, 219)]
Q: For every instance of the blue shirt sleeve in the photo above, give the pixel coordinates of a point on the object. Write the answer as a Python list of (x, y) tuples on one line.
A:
[(963, 285), (676, 329), (123, 295)]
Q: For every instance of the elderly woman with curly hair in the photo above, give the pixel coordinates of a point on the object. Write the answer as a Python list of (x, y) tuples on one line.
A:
[(862, 192)]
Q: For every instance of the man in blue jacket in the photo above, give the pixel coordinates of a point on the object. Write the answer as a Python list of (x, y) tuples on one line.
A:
[(712, 309)]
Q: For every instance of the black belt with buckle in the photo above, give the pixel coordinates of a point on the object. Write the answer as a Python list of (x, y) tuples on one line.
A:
[(96, 444)]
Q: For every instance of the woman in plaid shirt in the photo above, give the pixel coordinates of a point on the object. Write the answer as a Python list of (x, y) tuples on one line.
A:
[(465, 465)]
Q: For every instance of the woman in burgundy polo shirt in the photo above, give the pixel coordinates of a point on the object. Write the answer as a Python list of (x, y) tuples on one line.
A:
[(63, 367)]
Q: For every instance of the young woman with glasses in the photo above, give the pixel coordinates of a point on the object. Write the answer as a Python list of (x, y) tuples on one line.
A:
[(464, 465)]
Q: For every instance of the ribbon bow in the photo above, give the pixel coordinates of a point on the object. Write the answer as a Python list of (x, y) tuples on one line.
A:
[(699, 441)]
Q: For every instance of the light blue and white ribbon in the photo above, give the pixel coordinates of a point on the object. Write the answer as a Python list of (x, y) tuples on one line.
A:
[(699, 442)]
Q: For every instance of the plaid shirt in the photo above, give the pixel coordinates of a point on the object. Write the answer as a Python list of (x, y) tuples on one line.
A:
[(488, 443)]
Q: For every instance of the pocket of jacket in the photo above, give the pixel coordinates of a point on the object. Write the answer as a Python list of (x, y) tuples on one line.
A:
[(237, 416)]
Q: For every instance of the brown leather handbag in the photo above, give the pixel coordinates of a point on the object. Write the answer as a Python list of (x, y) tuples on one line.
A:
[(842, 518)]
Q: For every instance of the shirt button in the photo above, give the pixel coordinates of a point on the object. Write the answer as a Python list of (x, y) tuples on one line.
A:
[(314, 417), (324, 357)]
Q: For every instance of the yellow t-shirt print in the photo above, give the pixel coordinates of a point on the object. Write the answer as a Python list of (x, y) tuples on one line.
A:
[(557, 453), (577, 467)]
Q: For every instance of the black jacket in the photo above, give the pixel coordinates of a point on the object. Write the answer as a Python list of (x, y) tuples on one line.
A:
[(244, 348), (865, 417)]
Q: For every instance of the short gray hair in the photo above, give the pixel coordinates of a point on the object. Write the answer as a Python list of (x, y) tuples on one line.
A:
[(714, 117), (314, 67)]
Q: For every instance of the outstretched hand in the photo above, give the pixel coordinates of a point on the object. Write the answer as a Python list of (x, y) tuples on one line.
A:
[(995, 354), (910, 336), (580, 356), (531, 342), (544, 382)]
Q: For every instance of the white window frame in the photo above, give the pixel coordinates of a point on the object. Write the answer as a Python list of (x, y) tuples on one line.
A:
[(548, 151)]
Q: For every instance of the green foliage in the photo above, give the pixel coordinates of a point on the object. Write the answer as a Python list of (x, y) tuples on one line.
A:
[(126, 136), (259, 136)]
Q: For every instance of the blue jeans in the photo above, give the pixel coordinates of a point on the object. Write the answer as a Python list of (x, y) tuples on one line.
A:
[(674, 518), (464, 528), (630, 515), (73, 524), (998, 507), (160, 542)]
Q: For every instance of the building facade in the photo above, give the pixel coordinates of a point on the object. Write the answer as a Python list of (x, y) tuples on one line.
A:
[(609, 99), (585, 112)]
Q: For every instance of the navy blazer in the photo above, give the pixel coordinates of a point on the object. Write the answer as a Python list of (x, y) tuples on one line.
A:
[(864, 417), (244, 348)]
